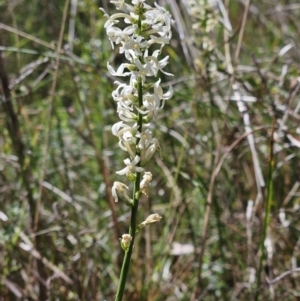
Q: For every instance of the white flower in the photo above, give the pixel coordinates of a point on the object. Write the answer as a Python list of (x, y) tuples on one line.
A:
[(134, 44), (127, 142), (150, 102), (156, 18), (143, 70), (131, 166), (158, 91), (120, 71), (117, 126), (126, 115), (153, 103), (120, 190), (117, 35), (145, 139), (126, 135), (123, 92), (120, 128), (146, 183), (148, 154), (157, 65)]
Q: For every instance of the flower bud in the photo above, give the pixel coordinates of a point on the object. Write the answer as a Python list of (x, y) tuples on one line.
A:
[(125, 241)]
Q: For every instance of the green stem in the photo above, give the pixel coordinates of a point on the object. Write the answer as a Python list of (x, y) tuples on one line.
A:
[(134, 210), (267, 212)]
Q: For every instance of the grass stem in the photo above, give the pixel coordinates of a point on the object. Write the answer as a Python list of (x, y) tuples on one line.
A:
[(267, 211)]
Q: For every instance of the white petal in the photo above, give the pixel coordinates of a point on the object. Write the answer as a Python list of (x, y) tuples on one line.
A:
[(122, 172), (136, 160), (127, 161), (116, 128), (139, 169), (114, 193)]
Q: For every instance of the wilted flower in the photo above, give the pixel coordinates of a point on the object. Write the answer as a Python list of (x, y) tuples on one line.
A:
[(119, 190), (146, 183), (153, 218)]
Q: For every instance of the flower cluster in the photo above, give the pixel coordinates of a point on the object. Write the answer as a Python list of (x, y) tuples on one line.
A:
[(146, 30), (206, 17)]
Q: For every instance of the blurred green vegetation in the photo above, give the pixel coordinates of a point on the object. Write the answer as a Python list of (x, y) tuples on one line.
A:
[(59, 226)]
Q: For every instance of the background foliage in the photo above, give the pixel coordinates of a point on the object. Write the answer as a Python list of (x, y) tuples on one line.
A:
[(229, 137)]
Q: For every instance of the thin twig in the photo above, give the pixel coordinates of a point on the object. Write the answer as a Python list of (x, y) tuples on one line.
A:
[(27, 36), (283, 275), (241, 35), (49, 116)]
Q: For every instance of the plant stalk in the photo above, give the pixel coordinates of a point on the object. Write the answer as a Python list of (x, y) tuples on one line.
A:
[(134, 210)]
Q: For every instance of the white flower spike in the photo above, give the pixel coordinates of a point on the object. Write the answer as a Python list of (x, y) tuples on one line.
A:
[(146, 26), (139, 100)]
